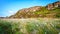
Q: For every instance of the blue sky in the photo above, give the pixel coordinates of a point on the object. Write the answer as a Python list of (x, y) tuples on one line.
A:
[(10, 7)]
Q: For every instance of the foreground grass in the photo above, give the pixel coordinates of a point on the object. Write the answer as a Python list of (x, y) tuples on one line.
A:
[(30, 26)]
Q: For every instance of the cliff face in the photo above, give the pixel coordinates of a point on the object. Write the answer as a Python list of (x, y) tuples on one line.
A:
[(53, 5), (39, 11)]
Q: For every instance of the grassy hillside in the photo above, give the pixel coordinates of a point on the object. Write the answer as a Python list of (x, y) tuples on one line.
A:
[(42, 12), (51, 10)]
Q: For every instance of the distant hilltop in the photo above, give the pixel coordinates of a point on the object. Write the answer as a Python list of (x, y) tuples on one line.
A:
[(51, 11)]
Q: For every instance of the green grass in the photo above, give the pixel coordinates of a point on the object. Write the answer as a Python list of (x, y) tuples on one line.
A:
[(36, 26)]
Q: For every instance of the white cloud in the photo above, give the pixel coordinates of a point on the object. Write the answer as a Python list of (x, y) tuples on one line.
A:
[(10, 12)]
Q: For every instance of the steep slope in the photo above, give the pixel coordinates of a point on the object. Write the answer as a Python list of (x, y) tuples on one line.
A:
[(50, 11)]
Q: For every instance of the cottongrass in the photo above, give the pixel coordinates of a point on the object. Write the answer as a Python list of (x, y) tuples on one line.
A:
[(30, 26)]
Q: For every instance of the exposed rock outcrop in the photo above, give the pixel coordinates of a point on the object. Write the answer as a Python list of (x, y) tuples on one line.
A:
[(53, 5)]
